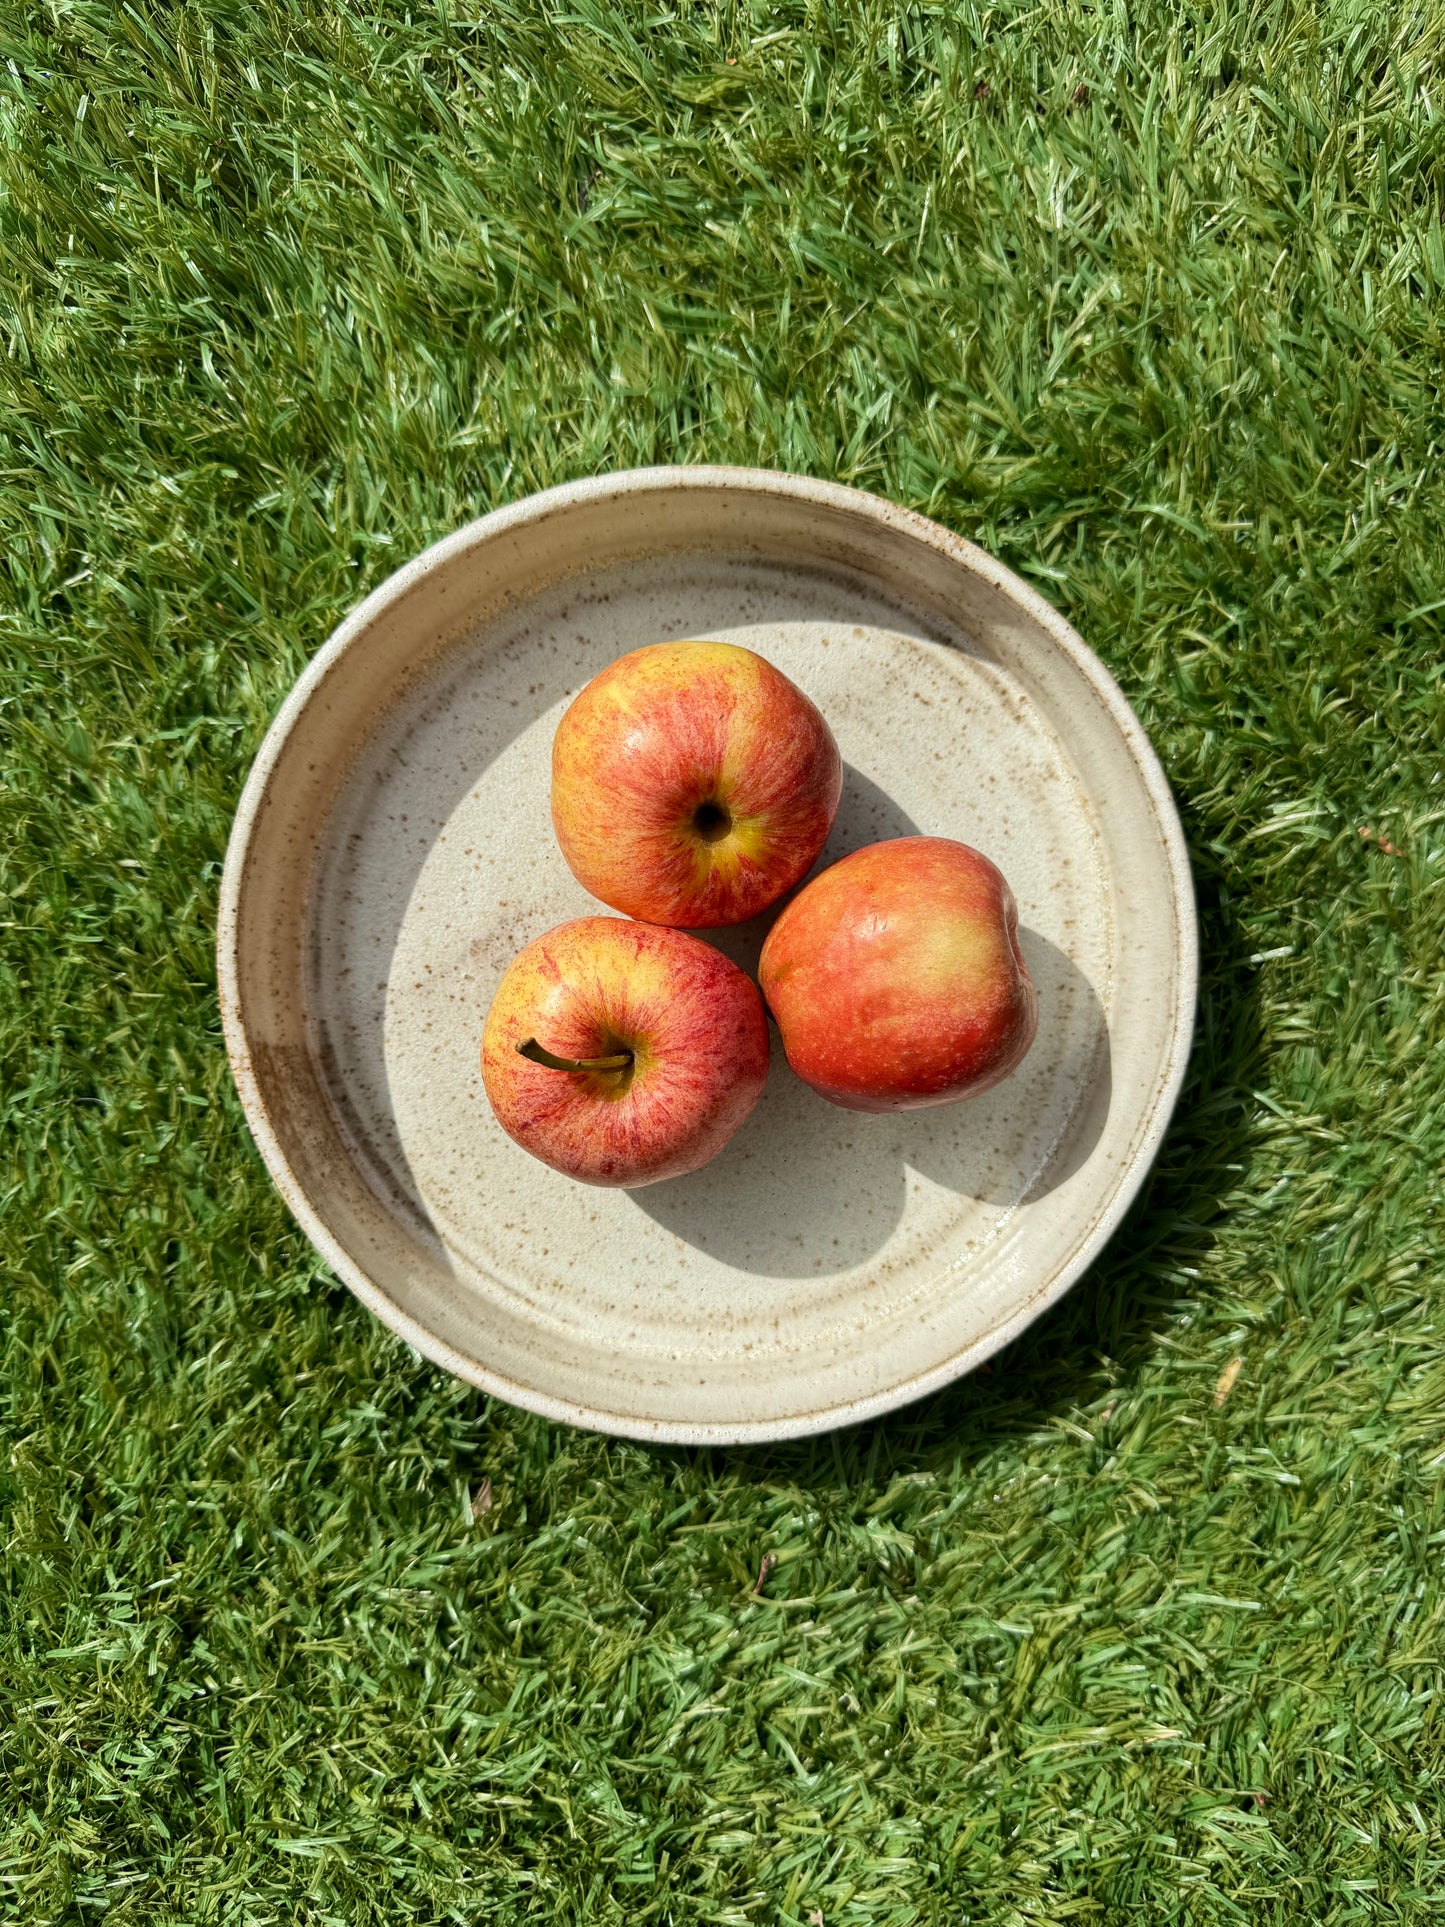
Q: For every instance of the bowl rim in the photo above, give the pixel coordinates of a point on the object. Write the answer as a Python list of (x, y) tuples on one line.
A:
[(703, 478)]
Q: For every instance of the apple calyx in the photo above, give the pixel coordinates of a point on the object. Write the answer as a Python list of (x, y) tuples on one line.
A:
[(539, 1054), (712, 821)]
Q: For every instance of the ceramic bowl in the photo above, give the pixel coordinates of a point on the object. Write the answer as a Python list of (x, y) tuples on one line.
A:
[(393, 851)]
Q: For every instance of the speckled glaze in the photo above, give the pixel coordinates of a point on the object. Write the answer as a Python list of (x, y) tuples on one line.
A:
[(393, 852)]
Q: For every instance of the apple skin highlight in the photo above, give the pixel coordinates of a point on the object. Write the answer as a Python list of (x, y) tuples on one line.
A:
[(897, 980), (692, 1020), (693, 784)]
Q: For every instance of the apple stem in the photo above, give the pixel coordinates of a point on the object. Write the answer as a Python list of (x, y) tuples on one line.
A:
[(539, 1055)]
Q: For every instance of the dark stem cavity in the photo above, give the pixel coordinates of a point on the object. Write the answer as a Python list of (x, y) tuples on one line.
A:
[(712, 821)]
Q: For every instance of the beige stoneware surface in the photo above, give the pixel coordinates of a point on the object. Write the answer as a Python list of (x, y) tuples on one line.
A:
[(393, 851)]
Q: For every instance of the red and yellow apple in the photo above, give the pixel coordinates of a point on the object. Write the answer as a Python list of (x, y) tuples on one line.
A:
[(897, 980), (622, 1053), (693, 784)]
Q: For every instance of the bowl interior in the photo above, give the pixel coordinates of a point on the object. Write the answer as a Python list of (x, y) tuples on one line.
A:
[(398, 851)]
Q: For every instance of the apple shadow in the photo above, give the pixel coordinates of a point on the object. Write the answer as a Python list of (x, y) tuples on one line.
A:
[(1063, 1088), (807, 1189)]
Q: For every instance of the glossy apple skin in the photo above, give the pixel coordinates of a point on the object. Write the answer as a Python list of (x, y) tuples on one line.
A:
[(897, 980), (677, 727), (693, 1020)]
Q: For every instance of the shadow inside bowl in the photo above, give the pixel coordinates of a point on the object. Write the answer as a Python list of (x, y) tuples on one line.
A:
[(807, 1189)]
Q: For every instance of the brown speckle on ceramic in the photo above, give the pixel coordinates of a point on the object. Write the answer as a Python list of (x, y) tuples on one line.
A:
[(393, 851)]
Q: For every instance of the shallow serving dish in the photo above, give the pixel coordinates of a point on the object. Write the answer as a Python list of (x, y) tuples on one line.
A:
[(393, 851)]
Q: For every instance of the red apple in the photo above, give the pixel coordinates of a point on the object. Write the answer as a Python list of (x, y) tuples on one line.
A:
[(693, 784), (897, 980), (621, 1053)]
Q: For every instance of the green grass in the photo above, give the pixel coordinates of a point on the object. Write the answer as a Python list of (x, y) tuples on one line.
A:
[(1148, 300)]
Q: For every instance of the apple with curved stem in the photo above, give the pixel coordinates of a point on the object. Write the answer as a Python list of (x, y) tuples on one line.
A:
[(623, 1053), (693, 784), (897, 980)]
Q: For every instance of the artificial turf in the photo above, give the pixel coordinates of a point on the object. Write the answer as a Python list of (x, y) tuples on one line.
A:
[(1143, 1623)]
